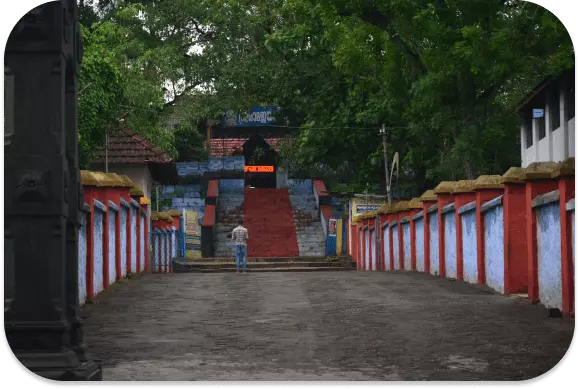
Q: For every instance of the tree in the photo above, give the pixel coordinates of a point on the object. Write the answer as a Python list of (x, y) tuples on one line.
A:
[(190, 142), (443, 75), (114, 86), (100, 94)]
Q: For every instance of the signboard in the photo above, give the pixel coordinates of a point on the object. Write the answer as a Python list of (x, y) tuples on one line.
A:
[(367, 208), (256, 116), (362, 204), (258, 169), (538, 113), (333, 227), (192, 234)]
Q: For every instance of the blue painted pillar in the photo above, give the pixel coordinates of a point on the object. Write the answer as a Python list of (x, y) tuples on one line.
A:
[(163, 253), (182, 236)]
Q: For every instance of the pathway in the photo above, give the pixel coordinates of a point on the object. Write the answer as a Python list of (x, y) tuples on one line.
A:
[(319, 326)]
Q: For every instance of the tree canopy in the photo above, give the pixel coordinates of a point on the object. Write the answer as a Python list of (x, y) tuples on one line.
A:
[(443, 76)]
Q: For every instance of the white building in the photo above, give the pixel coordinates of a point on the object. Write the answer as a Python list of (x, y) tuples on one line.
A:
[(548, 120)]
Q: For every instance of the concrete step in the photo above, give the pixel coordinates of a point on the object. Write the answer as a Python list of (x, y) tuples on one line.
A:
[(265, 265), (311, 237), (321, 258), (267, 270), (312, 243), (312, 232), (229, 220)]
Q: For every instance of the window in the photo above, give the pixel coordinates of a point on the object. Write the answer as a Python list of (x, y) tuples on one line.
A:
[(570, 102), (555, 110), (528, 123), (541, 127)]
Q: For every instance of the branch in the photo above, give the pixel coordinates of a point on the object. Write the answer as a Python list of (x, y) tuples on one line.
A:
[(207, 35), (378, 19), (177, 97), (82, 92)]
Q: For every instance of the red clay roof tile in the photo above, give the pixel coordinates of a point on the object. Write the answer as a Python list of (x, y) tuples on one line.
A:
[(227, 146), (126, 146)]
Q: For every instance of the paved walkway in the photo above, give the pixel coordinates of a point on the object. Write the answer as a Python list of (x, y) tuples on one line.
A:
[(319, 326)]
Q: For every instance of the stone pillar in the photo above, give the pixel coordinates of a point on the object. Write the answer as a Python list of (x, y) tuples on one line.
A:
[(463, 194), (138, 240), (537, 177), (444, 197), (428, 199), (565, 175), (415, 206), (392, 222), (44, 197), (515, 231)]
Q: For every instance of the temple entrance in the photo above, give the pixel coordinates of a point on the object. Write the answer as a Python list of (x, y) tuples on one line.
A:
[(261, 162)]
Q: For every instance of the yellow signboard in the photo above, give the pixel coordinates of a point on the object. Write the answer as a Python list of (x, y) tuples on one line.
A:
[(192, 234)]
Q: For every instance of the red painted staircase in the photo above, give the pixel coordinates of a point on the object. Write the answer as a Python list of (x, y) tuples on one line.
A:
[(270, 223)]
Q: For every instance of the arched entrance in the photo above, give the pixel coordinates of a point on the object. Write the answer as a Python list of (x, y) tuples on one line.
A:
[(261, 162)]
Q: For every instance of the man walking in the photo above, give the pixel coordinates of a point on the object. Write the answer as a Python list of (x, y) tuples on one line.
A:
[(240, 237)]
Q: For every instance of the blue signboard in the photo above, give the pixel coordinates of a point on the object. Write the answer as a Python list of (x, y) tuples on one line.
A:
[(256, 116), (538, 113)]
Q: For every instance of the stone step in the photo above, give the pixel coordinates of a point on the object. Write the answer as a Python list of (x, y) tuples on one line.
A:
[(267, 270), (266, 265), (321, 258), (312, 245), (312, 249), (310, 238), (229, 220), (311, 231), (318, 232)]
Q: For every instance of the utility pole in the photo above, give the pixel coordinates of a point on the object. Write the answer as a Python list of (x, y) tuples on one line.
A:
[(383, 133)]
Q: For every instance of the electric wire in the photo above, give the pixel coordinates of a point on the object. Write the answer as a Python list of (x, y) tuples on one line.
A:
[(273, 125)]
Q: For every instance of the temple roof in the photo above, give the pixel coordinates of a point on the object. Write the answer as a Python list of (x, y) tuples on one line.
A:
[(126, 146)]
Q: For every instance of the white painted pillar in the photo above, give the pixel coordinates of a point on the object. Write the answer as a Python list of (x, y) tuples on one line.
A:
[(535, 140), (564, 123), (523, 145), (548, 130)]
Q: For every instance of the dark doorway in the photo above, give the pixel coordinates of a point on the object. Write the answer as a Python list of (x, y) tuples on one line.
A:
[(257, 152)]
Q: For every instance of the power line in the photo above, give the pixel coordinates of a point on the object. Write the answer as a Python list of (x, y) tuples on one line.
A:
[(273, 125), (276, 126), (327, 128), (146, 110)]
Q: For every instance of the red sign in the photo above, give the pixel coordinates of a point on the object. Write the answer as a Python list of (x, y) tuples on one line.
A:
[(258, 169)]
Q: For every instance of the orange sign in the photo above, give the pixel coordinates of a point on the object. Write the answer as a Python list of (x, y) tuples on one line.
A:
[(258, 169)]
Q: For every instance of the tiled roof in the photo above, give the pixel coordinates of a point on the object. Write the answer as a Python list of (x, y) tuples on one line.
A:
[(126, 146), (227, 146)]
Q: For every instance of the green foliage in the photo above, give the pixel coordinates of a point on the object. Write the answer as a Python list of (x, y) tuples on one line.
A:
[(116, 85), (443, 75), (101, 87), (189, 143)]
